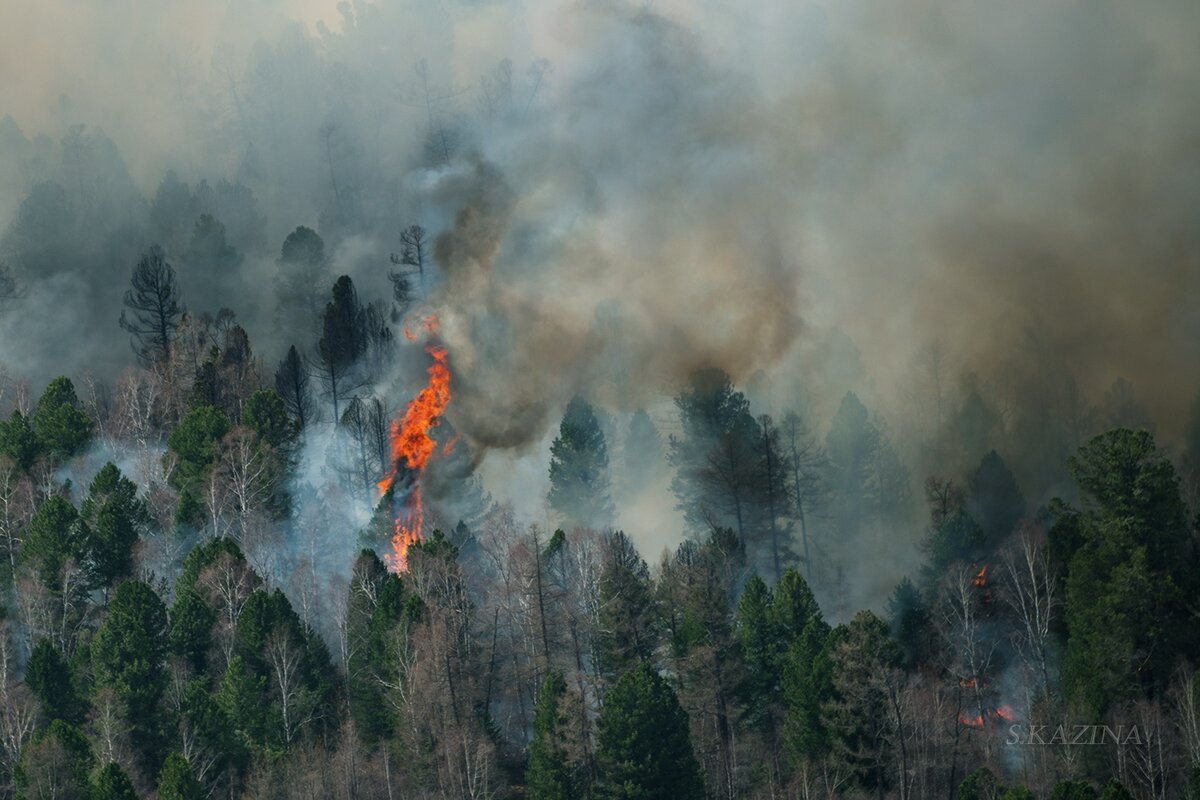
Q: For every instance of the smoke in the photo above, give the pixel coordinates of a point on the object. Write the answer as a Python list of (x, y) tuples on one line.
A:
[(620, 193)]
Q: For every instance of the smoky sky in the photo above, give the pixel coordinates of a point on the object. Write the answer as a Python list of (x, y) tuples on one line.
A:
[(646, 189)]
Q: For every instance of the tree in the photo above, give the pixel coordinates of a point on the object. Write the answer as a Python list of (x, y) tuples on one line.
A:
[(550, 775), (1073, 790), (994, 499), (643, 451), (579, 483), (713, 455), (643, 747), (852, 445), (981, 784), (300, 281), (18, 441), (177, 782), (55, 764), (863, 659), (343, 340), (626, 611), (209, 251), (62, 428), (266, 414), (1130, 569), (291, 382), (54, 536), (111, 783), (373, 611), (771, 492), (153, 303), (807, 462), (116, 518), (128, 655), (49, 676), (194, 443)]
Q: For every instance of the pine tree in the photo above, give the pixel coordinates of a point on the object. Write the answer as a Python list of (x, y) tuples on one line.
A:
[(54, 535), (292, 384), (153, 301), (344, 339), (129, 656), (579, 483), (62, 428), (550, 775), (643, 751), (116, 517)]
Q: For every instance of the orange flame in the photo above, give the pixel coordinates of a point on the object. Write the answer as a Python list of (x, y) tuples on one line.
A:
[(412, 445), (981, 576), (1003, 712)]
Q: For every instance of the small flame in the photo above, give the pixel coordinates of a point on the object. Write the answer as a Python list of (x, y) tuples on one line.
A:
[(981, 576), (412, 445)]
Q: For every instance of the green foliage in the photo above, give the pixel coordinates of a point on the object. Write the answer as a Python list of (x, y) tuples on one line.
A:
[(579, 482), (550, 775), (374, 613), (981, 784), (203, 556), (1017, 793), (1073, 790), (643, 749), (1130, 571), (116, 518), (194, 443), (176, 781), (49, 677), (1115, 790), (957, 538), (241, 696), (128, 655), (111, 783), (266, 415), (802, 632), (55, 763), (862, 660), (909, 617), (190, 632), (55, 534), (628, 628), (18, 441), (759, 645), (62, 428)]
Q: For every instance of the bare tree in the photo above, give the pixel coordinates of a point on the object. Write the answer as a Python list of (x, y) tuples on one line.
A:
[(1029, 589), (226, 585)]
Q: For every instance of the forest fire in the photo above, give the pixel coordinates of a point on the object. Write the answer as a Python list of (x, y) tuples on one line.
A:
[(1002, 712), (412, 446)]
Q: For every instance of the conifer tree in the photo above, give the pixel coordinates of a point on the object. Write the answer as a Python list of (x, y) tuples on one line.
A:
[(579, 482), (644, 751)]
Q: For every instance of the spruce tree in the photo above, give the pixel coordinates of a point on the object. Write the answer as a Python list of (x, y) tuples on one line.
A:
[(643, 750)]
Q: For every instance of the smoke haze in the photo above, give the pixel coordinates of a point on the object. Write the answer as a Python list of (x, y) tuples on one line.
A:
[(811, 193)]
